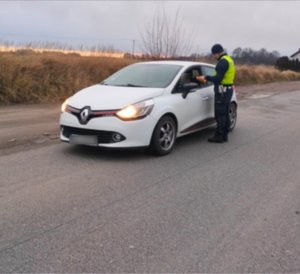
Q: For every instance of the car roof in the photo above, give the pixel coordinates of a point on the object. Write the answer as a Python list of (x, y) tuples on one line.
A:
[(175, 62)]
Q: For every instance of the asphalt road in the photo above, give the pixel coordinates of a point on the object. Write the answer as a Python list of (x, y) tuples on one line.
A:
[(231, 207)]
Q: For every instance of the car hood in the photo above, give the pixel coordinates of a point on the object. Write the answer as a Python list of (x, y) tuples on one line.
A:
[(101, 97)]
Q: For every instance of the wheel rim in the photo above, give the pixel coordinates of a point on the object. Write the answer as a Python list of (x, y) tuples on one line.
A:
[(232, 115), (166, 135)]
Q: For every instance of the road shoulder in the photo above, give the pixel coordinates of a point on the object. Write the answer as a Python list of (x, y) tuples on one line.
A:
[(25, 127)]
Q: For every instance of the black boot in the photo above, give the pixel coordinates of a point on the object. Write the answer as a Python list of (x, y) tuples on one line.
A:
[(216, 139), (225, 138)]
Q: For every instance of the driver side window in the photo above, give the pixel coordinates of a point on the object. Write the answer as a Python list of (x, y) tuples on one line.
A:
[(187, 77), (208, 71)]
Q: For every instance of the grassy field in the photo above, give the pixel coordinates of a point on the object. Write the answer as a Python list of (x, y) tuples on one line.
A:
[(29, 77)]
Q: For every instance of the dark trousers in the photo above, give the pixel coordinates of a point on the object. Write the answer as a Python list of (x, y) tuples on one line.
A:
[(222, 105)]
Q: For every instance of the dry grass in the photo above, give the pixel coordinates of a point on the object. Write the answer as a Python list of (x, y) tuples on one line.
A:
[(263, 74), (29, 77)]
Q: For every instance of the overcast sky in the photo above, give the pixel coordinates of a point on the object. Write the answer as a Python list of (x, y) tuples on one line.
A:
[(274, 25)]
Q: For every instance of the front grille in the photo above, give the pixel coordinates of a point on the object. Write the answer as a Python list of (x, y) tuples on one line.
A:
[(91, 113), (104, 137)]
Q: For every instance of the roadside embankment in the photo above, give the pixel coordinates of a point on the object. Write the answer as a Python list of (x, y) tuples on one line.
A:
[(26, 126)]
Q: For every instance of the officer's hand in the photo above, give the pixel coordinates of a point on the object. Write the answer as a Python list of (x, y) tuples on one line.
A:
[(201, 79)]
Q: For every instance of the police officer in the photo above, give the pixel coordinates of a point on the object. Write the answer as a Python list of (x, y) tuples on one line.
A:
[(223, 87)]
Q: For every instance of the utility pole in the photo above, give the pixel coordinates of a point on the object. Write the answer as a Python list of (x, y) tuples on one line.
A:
[(133, 44)]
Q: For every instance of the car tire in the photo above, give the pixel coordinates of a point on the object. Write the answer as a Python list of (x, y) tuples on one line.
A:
[(232, 116), (164, 136)]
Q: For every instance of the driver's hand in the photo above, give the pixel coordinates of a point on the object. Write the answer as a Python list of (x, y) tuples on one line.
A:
[(201, 79)]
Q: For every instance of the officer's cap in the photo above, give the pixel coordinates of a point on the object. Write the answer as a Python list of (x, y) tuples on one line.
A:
[(217, 48)]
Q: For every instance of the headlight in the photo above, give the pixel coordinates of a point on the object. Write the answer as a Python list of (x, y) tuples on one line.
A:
[(64, 105), (136, 111)]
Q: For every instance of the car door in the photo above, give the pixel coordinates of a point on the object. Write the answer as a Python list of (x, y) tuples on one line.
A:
[(196, 108), (208, 89)]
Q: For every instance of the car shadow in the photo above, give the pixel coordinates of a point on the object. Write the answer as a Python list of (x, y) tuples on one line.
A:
[(107, 154), (196, 138), (136, 154)]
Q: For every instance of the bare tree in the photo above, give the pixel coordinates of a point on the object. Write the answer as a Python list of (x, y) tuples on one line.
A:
[(163, 37)]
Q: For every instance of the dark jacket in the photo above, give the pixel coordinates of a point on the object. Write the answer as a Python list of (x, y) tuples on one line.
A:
[(221, 68)]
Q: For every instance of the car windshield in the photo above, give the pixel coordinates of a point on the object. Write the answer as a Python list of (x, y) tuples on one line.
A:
[(144, 75)]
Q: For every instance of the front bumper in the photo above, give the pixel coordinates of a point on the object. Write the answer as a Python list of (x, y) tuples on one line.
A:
[(136, 133)]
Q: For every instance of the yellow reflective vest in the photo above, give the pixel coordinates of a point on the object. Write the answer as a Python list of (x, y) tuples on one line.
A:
[(228, 78)]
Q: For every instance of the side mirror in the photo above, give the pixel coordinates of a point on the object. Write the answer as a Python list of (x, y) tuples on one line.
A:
[(187, 87)]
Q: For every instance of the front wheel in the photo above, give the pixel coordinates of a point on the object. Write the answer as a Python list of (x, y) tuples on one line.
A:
[(232, 116), (164, 136)]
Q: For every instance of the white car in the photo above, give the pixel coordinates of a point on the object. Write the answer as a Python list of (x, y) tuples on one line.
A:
[(146, 104)]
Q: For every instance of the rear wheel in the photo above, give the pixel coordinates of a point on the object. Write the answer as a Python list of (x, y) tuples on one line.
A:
[(164, 136), (232, 116)]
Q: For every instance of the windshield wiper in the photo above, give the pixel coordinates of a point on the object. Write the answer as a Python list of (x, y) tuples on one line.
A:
[(133, 85), (125, 85)]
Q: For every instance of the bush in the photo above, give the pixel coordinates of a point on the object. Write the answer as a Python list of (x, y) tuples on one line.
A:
[(284, 63)]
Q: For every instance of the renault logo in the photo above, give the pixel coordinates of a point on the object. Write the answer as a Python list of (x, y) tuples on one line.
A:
[(84, 115)]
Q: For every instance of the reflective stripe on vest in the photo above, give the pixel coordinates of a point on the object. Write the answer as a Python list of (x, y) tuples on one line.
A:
[(230, 73)]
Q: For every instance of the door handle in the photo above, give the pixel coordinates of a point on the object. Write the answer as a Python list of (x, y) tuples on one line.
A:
[(204, 98)]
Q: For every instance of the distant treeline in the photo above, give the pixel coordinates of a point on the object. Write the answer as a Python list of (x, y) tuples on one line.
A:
[(248, 56), (284, 63), (50, 45), (244, 56)]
